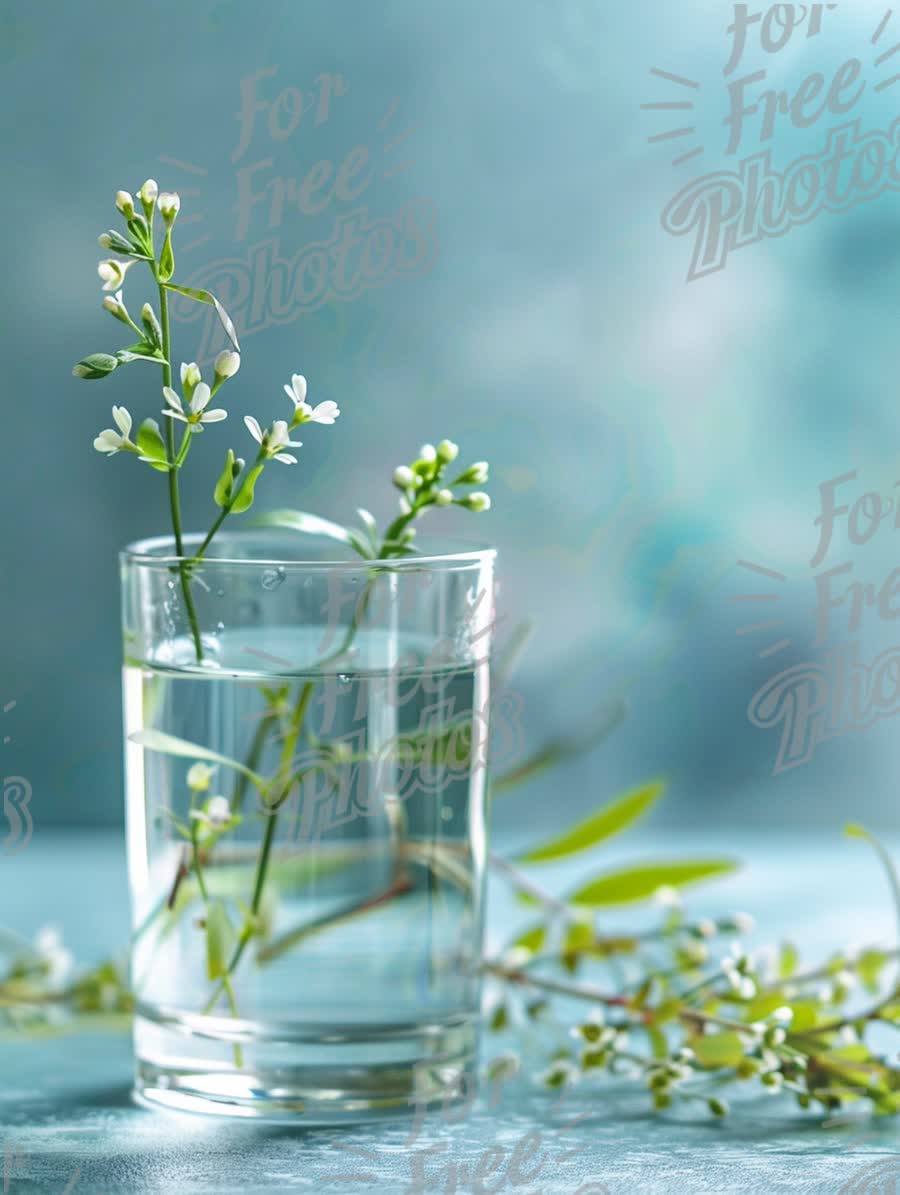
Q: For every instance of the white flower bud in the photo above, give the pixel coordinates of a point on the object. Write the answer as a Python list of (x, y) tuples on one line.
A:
[(405, 508), (447, 451), (477, 502), (190, 378), (104, 240), (169, 203), (114, 305), (227, 364), (199, 776), (443, 498), (112, 273), (476, 474), (125, 204), (149, 192), (428, 453), (403, 477), (218, 810)]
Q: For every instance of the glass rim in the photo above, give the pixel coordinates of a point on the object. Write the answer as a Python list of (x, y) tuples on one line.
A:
[(143, 552)]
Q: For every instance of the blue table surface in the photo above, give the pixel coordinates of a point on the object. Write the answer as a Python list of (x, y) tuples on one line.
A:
[(68, 1123)]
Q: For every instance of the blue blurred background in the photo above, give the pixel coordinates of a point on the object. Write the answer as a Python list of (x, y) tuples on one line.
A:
[(645, 433)]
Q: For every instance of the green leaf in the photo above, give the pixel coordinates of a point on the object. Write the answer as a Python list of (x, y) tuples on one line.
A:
[(245, 495), (788, 959), (142, 351), (220, 937), (168, 744), (853, 830), (531, 940), (617, 816), (222, 494), (869, 967), (167, 258), (299, 520), (368, 521), (97, 365), (638, 883), (715, 1050), (559, 751), (150, 442), (206, 296)]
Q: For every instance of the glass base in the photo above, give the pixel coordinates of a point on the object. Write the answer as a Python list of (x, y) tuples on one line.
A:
[(314, 1076)]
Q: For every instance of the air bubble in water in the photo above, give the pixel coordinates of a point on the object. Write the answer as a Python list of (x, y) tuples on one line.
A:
[(272, 577)]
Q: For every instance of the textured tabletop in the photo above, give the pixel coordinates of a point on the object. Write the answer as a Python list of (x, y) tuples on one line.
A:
[(68, 1124)]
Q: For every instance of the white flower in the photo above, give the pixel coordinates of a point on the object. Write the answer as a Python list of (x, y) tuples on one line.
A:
[(443, 498), (477, 502), (196, 413), (125, 204), (227, 364), (706, 928), (447, 451), (666, 896), (782, 1016), (112, 273), (274, 440), (114, 305), (112, 442), (404, 477), (199, 776), (428, 453), (55, 957), (743, 923), (324, 412), (149, 192), (169, 203), (216, 814)]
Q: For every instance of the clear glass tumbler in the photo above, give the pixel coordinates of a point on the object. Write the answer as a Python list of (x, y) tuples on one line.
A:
[(306, 745)]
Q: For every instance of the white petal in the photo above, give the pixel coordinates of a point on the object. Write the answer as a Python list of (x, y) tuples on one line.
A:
[(202, 395), (326, 412), (285, 458), (108, 441), (279, 435), (214, 416), (172, 398), (253, 428), (175, 415), (123, 420), (291, 395), (298, 382)]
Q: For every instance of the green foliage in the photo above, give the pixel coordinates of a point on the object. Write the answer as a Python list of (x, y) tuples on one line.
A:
[(612, 819), (629, 884), (308, 524), (220, 939), (95, 366)]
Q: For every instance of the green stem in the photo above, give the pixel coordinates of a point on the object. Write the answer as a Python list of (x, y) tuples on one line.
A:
[(272, 804), (174, 498)]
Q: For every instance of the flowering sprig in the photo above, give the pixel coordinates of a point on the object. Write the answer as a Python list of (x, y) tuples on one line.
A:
[(235, 490)]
